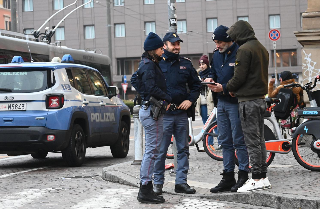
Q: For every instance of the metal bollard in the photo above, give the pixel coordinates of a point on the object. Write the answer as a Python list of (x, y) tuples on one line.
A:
[(138, 137)]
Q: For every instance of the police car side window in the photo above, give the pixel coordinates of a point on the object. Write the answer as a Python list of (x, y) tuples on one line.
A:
[(80, 80), (97, 83)]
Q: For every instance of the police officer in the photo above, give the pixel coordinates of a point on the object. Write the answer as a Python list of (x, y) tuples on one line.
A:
[(179, 73), (150, 81), (229, 124)]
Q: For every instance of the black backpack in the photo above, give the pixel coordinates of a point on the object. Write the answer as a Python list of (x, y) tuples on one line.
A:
[(288, 101)]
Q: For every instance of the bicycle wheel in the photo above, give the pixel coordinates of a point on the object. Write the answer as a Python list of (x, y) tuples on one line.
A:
[(212, 148), (305, 153), (269, 135)]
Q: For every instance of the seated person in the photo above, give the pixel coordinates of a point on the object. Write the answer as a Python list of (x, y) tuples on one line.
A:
[(285, 78)]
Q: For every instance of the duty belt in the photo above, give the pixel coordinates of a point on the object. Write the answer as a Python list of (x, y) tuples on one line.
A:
[(173, 107)]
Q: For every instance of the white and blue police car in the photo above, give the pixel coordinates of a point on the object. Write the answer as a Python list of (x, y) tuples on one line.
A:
[(60, 107)]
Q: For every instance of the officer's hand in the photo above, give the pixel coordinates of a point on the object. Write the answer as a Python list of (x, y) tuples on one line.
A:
[(208, 80), (216, 88), (168, 106), (232, 94), (185, 105)]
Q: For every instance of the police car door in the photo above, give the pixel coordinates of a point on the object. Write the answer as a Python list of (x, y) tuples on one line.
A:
[(107, 109), (88, 102)]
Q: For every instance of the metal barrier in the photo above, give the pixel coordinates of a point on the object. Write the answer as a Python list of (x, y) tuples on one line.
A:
[(138, 137)]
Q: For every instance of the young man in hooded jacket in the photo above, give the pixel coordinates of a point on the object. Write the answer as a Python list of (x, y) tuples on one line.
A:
[(250, 84)]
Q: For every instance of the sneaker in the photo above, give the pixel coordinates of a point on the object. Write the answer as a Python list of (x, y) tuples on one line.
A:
[(251, 185), (266, 183)]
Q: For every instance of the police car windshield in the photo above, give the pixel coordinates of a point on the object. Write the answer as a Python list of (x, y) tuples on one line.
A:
[(23, 80)]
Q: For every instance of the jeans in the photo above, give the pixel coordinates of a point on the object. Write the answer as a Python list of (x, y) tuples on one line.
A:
[(153, 137), (178, 126), (252, 121), (231, 136)]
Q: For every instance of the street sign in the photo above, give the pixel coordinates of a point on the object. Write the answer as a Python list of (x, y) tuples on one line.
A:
[(124, 79), (124, 87), (274, 45), (274, 35)]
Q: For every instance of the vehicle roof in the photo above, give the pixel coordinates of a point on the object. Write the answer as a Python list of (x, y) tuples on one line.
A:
[(49, 65)]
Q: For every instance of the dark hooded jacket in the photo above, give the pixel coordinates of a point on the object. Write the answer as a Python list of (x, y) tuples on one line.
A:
[(250, 80)]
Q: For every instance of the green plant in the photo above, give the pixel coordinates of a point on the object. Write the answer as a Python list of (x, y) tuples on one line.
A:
[(130, 104)]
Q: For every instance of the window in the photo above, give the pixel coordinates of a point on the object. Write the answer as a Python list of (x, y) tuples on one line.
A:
[(150, 27), (27, 5), (244, 18), (57, 4), (181, 1), (89, 32), (212, 24), (285, 58), (120, 30), (88, 5), (118, 2), (97, 83), (8, 25), (28, 31), (127, 66), (148, 1), (78, 79), (181, 26), (274, 21), (6, 4), (59, 34)]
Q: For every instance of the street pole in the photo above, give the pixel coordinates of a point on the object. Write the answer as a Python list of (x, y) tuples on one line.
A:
[(173, 28), (109, 34), (13, 16), (172, 16), (275, 61)]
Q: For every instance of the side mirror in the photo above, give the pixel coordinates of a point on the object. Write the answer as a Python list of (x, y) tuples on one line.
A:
[(112, 91)]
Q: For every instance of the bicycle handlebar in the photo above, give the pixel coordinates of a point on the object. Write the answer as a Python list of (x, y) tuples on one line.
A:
[(307, 87)]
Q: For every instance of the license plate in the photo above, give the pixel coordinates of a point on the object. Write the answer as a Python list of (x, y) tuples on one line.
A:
[(13, 106)]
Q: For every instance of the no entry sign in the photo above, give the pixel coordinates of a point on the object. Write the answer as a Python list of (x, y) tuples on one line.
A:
[(274, 35)]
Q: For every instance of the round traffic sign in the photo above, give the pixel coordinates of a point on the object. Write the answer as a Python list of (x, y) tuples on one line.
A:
[(274, 35)]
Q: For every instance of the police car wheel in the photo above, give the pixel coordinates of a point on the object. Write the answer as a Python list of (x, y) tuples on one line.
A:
[(75, 152), (39, 155), (121, 148)]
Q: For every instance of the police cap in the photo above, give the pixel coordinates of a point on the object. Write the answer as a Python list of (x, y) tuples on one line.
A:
[(172, 37)]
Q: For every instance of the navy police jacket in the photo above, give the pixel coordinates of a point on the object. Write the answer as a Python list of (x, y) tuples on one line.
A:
[(222, 70), (148, 80), (181, 79)]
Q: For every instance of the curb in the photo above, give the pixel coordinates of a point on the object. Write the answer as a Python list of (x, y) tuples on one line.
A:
[(116, 174)]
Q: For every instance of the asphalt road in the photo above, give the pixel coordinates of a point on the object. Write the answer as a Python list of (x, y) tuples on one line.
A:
[(49, 183)]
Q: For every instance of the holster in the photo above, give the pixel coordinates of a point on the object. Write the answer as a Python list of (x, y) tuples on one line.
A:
[(158, 108), (191, 112)]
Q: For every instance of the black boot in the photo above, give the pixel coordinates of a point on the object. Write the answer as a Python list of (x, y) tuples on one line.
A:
[(226, 183), (242, 178), (146, 194)]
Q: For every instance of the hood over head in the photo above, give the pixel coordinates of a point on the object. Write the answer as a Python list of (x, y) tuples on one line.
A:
[(240, 32)]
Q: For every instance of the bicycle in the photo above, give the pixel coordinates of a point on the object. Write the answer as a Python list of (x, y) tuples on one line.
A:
[(305, 142)]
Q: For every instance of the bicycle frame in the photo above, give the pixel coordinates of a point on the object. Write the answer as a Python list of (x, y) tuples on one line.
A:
[(195, 139)]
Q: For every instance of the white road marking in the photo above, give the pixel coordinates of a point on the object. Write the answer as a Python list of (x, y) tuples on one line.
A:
[(21, 198), (194, 203), (111, 198), (13, 157), (20, 172)]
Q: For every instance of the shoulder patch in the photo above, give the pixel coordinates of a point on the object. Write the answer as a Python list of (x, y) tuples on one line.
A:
[(237, 63), (186, 58)]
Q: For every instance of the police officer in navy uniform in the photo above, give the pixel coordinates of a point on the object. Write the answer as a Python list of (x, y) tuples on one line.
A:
[(179, 74), (149, 81)]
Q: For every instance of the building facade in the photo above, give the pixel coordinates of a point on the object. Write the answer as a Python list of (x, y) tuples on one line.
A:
[(118, 28), (5, 15)]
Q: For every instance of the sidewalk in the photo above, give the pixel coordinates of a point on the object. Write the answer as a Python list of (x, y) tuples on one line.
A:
[(292, 185)]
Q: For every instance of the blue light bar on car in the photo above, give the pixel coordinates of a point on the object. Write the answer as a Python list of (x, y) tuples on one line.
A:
[(17, 59), (67, 58)]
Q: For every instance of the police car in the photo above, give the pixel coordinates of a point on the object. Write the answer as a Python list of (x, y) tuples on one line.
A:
[(60, 107)]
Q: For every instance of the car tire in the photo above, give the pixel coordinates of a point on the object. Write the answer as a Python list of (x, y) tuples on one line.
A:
[(75, 152), (121, 148), (40, 155)]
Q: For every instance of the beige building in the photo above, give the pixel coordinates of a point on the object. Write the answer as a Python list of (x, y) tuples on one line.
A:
[(118, 28)]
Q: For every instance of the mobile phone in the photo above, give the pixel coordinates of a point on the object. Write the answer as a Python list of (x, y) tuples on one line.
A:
[(211, 83)]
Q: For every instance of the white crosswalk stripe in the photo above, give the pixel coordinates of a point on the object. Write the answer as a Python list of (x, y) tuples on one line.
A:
[(195, 204), (111, 198), (21, 198)]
